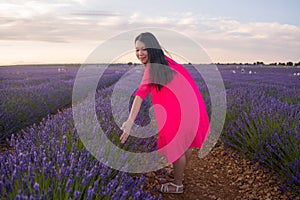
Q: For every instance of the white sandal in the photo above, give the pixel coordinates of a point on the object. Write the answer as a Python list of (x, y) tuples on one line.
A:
[(165, 188)]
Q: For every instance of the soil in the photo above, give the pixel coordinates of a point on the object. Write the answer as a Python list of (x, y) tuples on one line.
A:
[(222, 174)]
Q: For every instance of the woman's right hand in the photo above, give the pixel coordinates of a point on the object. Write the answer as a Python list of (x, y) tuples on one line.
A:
[(127, 125), (126, 128)]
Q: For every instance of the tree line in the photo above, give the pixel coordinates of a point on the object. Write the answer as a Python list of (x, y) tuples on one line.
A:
[(262, 63), (255, 63)]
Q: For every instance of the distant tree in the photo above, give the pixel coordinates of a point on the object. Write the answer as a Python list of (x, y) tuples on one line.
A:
[(297, 64), (273, 63), (289, 64), (259, 63), (281, 64), (129, 63)]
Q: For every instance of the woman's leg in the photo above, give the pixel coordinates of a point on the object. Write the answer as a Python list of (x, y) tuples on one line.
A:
[(188, 155), (179, 167)]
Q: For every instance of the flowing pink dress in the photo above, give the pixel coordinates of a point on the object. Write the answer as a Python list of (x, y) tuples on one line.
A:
[(180, 112)]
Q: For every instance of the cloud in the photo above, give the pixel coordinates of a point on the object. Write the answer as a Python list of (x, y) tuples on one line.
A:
[(226, 37), (72, 21), (177, 20), (92, 13), (54, 24), (51, 22), (29, 9), (231, 39)]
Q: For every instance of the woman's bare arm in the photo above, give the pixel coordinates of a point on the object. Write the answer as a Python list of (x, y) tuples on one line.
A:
[(136, 105), (127, 125)]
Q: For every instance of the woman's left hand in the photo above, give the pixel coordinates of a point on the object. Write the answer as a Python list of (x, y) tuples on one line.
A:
[(126, 128)]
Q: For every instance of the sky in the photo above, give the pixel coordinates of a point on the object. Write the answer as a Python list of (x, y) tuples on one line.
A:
[(68, 31)]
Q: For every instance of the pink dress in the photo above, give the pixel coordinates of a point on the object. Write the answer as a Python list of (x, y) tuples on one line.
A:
[(180, 112)]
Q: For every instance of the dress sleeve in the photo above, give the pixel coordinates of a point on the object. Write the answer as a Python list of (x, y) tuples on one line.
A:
[(145, 86)]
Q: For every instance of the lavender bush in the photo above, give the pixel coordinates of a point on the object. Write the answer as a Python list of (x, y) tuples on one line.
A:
[(50, 162), (29, 93), (263, 121)]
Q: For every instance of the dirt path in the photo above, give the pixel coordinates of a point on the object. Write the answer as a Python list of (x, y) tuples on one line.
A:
[(221, 175)]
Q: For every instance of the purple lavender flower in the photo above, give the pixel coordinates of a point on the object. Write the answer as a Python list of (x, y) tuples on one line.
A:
[(36, 188), (77, 195), (69, 188), (91, 193), (49, 193), (1, 186)]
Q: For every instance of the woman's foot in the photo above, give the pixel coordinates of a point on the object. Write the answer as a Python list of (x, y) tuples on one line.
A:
[(171, 188)]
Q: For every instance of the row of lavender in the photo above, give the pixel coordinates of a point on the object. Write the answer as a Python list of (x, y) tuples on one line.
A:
[(262, 121), (29, 93), (49, 161)]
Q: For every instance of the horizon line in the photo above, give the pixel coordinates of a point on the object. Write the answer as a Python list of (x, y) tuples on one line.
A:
[(294, 64)]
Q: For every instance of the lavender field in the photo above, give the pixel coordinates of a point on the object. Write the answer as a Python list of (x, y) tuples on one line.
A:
[(29, 93), (47, 159), (262, 121)]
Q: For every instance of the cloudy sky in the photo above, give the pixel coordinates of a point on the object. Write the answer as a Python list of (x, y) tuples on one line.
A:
[(67, 31)]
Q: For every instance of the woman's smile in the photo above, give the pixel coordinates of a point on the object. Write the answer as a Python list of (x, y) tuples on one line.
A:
[(141, 52)]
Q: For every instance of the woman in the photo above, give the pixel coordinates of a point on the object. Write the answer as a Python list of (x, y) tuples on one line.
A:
[(179, 108)]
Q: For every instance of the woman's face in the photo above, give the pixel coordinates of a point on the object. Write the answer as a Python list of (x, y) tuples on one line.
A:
[(141, 52)]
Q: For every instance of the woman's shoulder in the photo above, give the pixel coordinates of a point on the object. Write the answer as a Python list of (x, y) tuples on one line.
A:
[(170, 61), (176, 66)]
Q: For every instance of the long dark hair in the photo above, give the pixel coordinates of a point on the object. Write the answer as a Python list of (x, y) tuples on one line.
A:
[(160, 72)]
